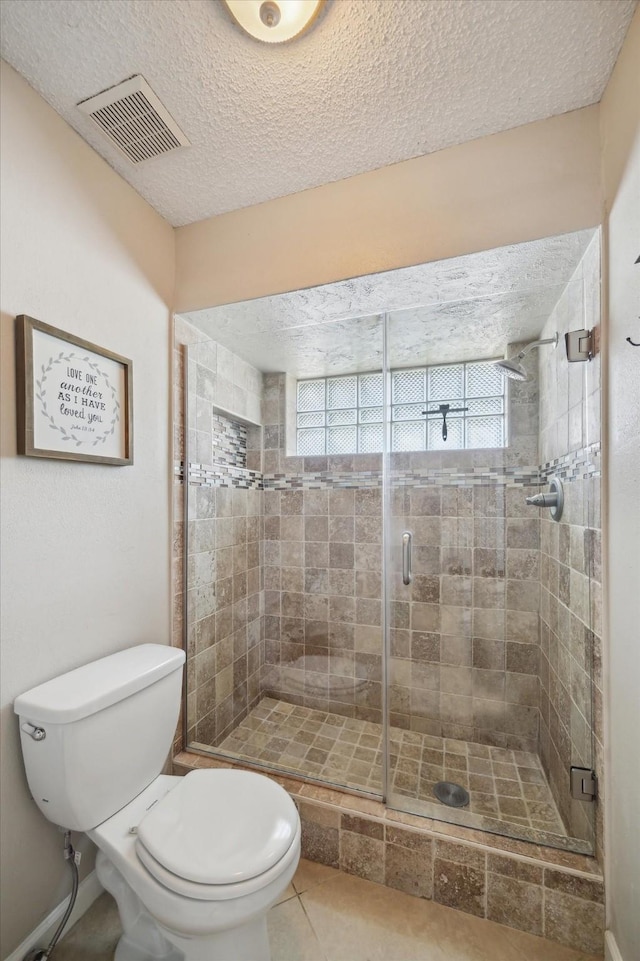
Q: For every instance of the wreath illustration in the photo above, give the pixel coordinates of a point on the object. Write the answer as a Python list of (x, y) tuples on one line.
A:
[(41, 394)]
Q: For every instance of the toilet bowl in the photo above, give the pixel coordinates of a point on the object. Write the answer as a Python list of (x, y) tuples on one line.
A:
[(193, 862), (197, 825)]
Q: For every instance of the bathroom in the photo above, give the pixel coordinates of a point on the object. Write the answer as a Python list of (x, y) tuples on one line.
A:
[(125, 546)]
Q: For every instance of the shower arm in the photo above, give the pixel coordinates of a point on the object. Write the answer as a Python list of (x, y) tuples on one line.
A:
[(536, 343)]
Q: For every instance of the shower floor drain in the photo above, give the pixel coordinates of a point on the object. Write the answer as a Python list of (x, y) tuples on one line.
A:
[(453, 795)]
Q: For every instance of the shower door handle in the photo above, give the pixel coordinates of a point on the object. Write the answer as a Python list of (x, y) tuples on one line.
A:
[(406, 557)]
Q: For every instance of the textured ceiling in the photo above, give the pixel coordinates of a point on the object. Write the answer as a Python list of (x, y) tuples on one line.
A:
[(465, 308), (374, 82)]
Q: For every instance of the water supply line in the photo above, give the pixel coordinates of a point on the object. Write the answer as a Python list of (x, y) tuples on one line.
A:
[(73, 857)]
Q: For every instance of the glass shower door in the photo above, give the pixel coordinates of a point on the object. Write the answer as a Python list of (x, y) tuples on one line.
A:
[(488, 654), (440, 415)]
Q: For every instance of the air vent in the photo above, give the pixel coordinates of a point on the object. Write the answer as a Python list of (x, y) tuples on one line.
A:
[(135, 120)]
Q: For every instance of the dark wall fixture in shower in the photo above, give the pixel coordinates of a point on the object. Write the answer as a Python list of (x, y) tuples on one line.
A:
[(442, 411)]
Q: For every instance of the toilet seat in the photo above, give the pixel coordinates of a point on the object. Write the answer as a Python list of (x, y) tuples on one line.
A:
[(219, 834), (215, 892)]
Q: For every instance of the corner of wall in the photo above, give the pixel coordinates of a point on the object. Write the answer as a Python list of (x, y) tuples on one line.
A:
[(620, 170)]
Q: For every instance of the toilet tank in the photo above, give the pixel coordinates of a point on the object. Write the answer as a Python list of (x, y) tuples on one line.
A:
[(108, 727)]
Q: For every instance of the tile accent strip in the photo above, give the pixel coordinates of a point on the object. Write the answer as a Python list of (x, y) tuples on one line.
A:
[(576, 465), (230, 471), (223, 475)]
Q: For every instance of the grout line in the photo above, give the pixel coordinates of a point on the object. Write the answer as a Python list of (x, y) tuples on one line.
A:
[(313, 930)]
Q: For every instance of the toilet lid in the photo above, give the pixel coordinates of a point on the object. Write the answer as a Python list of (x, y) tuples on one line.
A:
[(220, 826)]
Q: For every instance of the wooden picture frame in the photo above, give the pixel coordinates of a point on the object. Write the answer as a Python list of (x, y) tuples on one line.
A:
[(74, 399)]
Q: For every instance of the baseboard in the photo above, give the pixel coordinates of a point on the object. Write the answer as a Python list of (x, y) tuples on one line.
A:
[(88, 891), (611, 950)]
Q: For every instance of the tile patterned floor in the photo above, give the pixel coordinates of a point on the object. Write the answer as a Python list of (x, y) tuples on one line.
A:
[(326, 915), (506, 788)]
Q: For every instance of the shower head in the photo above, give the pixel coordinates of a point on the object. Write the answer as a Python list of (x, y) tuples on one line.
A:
[(513, 368)]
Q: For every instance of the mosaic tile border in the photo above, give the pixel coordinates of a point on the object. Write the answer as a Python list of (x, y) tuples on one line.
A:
[(323, 480), (229, 442), (223, 475), (576, 465)]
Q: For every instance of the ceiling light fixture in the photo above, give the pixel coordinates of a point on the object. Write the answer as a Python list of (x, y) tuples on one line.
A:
[(274, 21)]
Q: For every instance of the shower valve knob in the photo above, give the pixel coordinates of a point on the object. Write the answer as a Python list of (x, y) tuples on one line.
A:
[(543, 500), (553, 499)]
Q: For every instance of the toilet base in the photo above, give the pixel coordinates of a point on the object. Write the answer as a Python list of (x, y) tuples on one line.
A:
[(247, 943), (144, 939)]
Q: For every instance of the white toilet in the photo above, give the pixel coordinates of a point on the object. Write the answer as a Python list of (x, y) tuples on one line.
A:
[(193, 862)]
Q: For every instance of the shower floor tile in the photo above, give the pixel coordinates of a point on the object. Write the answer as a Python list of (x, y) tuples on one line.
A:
[(505, 787)]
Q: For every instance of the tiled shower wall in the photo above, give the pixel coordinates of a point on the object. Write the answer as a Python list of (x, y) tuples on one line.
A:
[(226, 609), (323, 588), (224, 596), (465, 640), (570, 559), (465, 635)]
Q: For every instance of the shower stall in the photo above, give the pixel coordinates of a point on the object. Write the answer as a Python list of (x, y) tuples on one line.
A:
[(369, 600)]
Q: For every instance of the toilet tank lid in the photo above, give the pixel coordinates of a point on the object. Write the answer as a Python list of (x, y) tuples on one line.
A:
[(98, 685)]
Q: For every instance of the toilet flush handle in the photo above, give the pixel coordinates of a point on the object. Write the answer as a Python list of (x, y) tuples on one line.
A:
[(37, 733)]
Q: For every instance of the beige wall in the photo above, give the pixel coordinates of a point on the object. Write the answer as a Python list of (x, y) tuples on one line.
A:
[(620, 130), (534, 181), (85, 548)]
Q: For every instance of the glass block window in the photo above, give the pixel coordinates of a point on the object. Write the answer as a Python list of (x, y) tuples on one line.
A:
[(347, 409), (344, 415)]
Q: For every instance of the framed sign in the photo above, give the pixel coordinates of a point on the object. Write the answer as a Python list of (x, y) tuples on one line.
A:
[(74, 399)]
